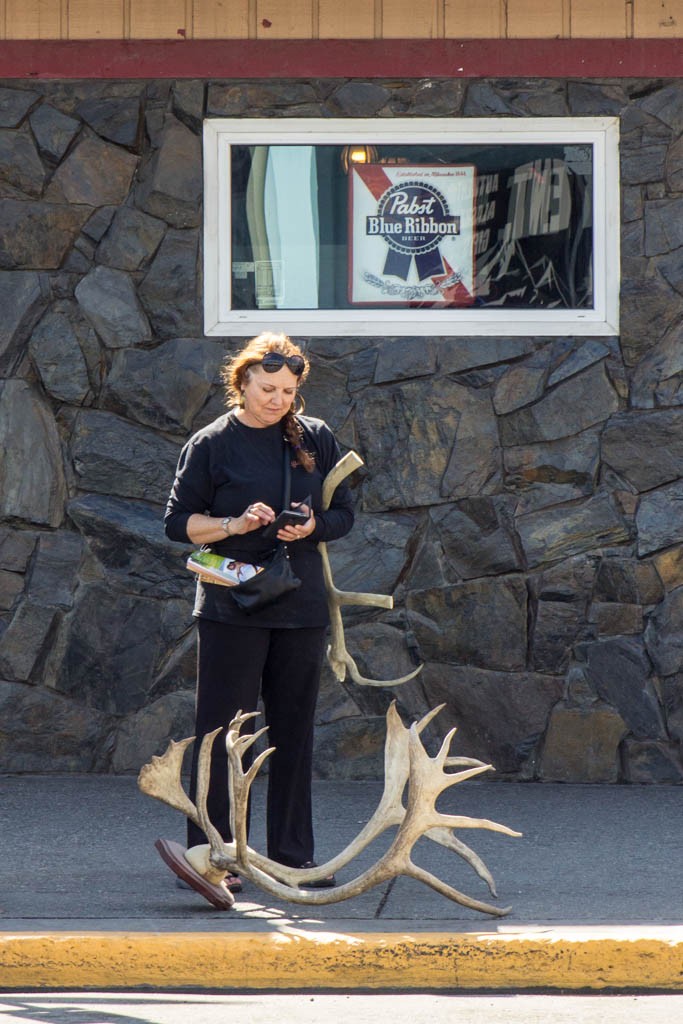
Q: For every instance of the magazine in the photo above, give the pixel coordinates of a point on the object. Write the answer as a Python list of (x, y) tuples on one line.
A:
[(217, 569)]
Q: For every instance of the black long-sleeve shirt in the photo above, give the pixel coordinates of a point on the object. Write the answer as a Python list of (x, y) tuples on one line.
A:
[(227, 466)]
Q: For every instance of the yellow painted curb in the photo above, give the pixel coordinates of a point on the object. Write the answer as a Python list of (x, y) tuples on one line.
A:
[(514, 959)]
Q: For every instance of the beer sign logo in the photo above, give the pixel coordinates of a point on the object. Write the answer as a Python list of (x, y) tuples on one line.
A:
[(412, 231), (413, 219)]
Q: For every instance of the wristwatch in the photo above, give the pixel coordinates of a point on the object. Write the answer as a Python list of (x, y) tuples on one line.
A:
[(225, 524)]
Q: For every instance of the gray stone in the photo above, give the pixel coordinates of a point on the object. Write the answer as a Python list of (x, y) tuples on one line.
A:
[(617, 619), (674, 166), (618, 670), (475, 539), (483, 100), (643, 164), (11, 586), (358, 99), (647, 762), (664, 636), (438, 98), (659, 519), (455, 355), (20, 164), (97, 224), (554, 533), (324, 392), (372, 557), (595, 99), (548, 474), (112, 456), (95, 173), (23, 298), (113, 118), (445, 434), (663, 225), (16, 548), (234, 99), (402, 358), (669, 568), (572, 406), (54, 131), (571, 580), (163, 387), (481, 622), (59, 359), (522, 384), (667, 105), (582, 745), (110, 649), (23, 642), (671, 269), (147, 732), (15, 105), (632, 203), (626, 581), (37, 235), (352, 748), (500, 716), (645, 448), (557, 627), (43, 731), (179, 668), (128, 539), (659, 368), (648, 309), (131, 241), (169, 290), (32, 485), (362, 369), (54, 574), (172, 185), (108, 299), (590, 352), (188, 103)]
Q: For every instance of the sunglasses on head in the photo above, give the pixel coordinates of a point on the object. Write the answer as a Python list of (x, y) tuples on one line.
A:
[(274, 361)]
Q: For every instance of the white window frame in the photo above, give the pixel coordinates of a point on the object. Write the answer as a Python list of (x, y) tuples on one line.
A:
[(600, 132)]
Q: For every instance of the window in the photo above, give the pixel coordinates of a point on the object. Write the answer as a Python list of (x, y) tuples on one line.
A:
[(412, 226)]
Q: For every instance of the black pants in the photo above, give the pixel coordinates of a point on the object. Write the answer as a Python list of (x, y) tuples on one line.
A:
[(233, 665)]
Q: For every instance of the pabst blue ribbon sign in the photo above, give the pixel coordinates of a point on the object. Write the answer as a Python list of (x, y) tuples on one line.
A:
[(412, 234)]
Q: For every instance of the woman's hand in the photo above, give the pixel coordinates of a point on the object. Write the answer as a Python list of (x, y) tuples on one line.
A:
[(254, 516), (292, 533), (203, 529)]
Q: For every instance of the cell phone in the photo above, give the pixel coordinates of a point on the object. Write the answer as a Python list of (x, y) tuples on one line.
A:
[(288, 517)]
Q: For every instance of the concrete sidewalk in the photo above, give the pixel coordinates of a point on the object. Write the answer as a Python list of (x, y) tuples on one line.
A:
[(594, 886)]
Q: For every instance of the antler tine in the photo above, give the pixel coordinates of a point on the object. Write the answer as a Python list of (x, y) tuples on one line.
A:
[(346, 465), (216, 843), (161, 779), (337, 654)]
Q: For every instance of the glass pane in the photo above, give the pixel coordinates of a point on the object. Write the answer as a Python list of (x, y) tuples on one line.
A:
[(423, 226)]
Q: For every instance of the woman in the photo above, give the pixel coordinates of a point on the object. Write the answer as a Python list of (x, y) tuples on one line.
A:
[(228, 488)]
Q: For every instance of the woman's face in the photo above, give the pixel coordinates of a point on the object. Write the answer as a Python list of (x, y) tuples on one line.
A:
[(267, 396)]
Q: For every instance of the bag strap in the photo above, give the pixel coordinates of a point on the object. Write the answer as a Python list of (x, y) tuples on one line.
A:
[(286, 477)]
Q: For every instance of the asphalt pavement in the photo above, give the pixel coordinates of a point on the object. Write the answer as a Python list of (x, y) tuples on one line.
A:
[(594, 887)]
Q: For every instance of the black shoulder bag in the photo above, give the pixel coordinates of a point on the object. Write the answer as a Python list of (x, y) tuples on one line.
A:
[(277, 577)]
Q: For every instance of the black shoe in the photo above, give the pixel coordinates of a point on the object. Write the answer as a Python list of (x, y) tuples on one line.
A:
[(328, 882)]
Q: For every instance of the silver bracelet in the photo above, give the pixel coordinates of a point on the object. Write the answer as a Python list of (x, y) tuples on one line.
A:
[(225, 524)]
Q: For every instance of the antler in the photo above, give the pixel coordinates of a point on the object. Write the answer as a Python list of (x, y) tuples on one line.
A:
[(337, 654), (405, 760)]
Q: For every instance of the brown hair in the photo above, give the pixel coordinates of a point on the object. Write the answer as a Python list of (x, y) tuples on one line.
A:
[(236, 371)]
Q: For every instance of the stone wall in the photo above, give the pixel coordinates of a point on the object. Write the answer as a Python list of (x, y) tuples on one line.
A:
[(523, 498)]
